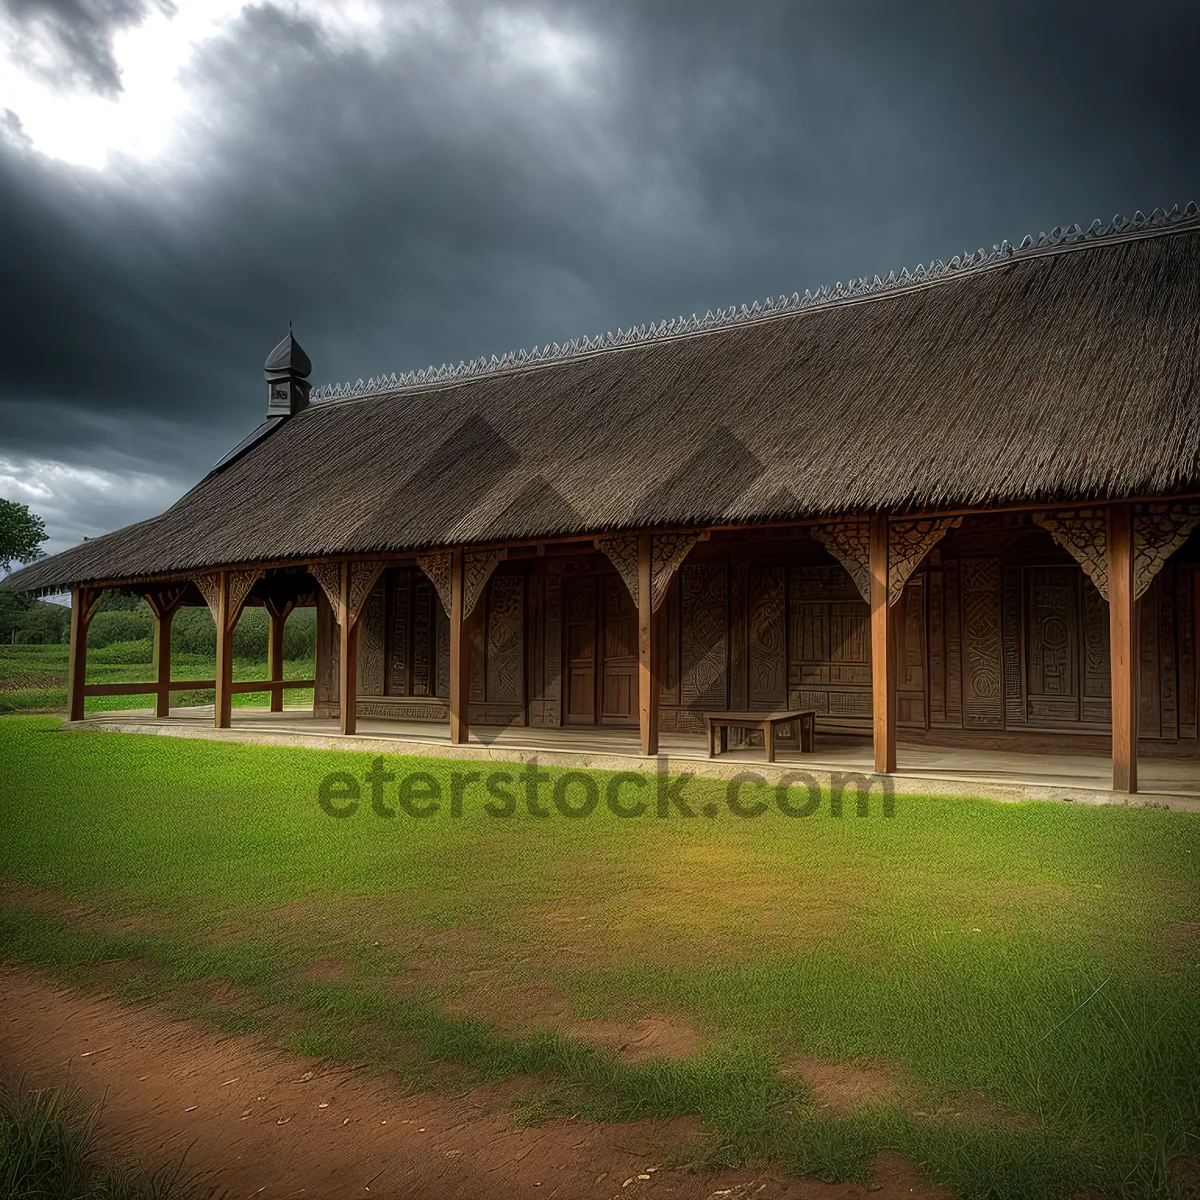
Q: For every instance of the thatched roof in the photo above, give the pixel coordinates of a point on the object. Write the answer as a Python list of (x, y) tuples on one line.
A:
[(1066, 368)]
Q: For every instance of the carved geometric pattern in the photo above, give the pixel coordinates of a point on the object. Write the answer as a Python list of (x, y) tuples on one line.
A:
[(363, 576), (478, 566), (438, 568), (667, 551), (908, 543), (240, 583), (622, 551), (1158, 531), (704, 636), (371, 648), (329, 576), (209, 586), (1083, 535), (983, 699), (850, 543), (505, 644)]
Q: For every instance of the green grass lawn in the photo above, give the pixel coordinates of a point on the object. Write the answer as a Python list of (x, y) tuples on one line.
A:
[(35, 678), (1027, 974)]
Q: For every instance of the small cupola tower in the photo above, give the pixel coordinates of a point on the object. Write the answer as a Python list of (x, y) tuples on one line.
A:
[(287, 369)]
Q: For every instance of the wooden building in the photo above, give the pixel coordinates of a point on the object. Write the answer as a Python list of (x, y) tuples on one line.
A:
[(958, 505)]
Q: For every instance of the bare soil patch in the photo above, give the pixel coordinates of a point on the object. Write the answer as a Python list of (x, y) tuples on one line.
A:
[(842, 1087), (261, 1123), (89, 917)]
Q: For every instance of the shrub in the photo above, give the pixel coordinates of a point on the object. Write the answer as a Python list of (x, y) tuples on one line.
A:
[(125, 653), (109, 627)]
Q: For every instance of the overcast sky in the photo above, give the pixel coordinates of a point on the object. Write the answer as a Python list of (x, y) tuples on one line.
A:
[(416, 182)]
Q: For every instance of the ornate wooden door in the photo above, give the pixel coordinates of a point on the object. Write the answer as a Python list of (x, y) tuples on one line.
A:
[(579, 650), (619, 642)]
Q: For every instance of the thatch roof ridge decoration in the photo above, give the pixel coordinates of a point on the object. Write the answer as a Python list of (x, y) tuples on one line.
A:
[(1058, 239)]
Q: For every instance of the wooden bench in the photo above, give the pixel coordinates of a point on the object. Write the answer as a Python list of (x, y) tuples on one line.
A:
[(803, 723)]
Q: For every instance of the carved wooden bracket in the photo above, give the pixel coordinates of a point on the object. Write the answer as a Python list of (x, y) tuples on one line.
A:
[(622, 551), (89, 601), (164, 600), (363, 577), (1082, 534), (1158, 531), (667, 552), (438, 568), (478, 566), (240, 584), (909, 541), (850, 543), (329, 576)]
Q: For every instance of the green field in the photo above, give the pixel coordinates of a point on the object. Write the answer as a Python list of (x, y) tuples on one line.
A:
[(34, 679), (1024, 978)]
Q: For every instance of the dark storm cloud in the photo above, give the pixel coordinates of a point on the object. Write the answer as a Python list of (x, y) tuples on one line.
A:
[(447, 187)]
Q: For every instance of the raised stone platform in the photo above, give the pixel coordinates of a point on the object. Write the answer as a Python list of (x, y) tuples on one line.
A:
[(923, 770)]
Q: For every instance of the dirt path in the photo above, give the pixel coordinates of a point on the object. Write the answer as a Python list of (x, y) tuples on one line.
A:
[(265, 1124)]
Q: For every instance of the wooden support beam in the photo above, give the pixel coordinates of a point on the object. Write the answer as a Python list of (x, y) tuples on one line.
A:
[(648, 678), (224, 620), (278, 615), (1123, 647), (347, 656), (883, 649), (83, 607), (162, 661), (460, 655)]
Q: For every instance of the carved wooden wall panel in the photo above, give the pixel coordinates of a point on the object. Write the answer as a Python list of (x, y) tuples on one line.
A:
[(1014, 639), (372, 644), (830, 645), (767, 635), (505, 641), (982, 687), (937, 645), (738, 675), (954, 651), (704, 636), (1096, 708), (669, 683), (424, 645), (397, 682), (552, 691), (1187, 581), (910, 655), (477, 630), (1168, 681), (442, 635), (1053, 646), (363, 578), (1149, 721)]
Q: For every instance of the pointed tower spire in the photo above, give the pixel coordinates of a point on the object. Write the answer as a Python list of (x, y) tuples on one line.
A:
[(287, 369)]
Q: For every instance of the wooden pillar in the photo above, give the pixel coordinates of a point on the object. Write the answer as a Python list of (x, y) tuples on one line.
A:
[(223, 702), (1123, 647), (460, 655), (648, 677), (83, 606), (883, 649), (278, 614), (347, 656), (162, 659)]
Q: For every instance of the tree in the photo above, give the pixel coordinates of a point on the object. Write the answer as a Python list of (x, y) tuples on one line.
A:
[(21, 533)]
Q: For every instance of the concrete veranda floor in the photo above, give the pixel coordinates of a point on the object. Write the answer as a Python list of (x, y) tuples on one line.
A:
[(939, 770)]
